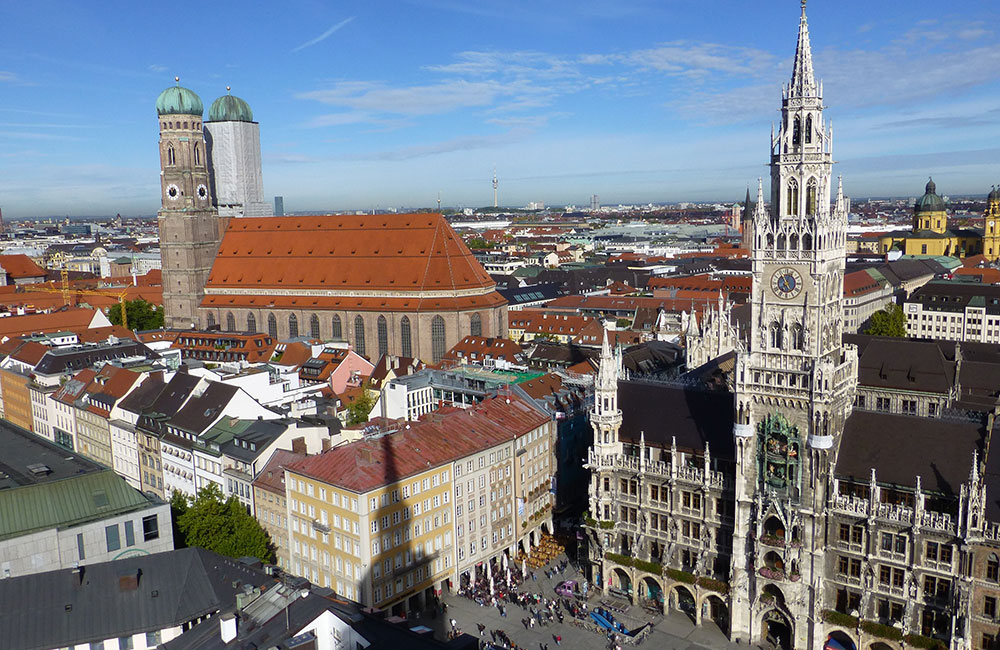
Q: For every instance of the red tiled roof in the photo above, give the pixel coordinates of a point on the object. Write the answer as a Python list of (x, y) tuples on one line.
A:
[(272, 477), (858, 283), (21, 266), (71, 391), (364, 465), (541, 322), (409, 253), (481, 347), (68, 320)]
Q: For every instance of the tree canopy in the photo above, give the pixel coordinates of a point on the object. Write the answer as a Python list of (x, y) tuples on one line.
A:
[(358, 410), (142, 315), (223, 526), (890, 321)]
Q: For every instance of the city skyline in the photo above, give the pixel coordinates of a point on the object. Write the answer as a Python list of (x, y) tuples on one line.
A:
[(364, 107)]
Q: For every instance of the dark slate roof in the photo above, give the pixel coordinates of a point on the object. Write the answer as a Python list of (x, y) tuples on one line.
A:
[(144, 395), (532, 293), (991, 474), (27, 459), (58, 608), (275, 632), (653, 359), (901, 271), (172, 397), (664, 411), (561, 354), (957, 296), (902, 447), (72, 358), (903, 364), (201, 411)]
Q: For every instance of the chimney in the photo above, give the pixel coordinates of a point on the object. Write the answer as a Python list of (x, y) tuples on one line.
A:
[(326, 444), (299, 446), (227, 627)]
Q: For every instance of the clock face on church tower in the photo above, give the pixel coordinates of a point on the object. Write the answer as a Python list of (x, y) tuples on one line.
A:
[(786, 283)]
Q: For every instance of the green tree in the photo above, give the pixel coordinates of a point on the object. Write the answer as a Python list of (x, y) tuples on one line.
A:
[(223, 526), (358, 410), (142, 315), (891, 321)]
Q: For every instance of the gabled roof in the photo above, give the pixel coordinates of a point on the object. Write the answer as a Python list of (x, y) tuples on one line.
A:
[(272, 477), (21, 266), (364, 465), (661, 413), (65, 320), (201, 411), (405, 254), (58, 608), (901, 447)]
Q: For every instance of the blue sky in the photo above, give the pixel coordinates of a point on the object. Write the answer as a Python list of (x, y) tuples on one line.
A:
[(366, 104)]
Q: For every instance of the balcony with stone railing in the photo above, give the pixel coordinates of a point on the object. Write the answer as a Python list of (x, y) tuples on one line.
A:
[(660, 470), (895, 514)]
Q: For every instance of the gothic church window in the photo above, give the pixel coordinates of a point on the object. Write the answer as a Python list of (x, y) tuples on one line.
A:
[(406, 346), (437, 338), (314, 326), (338, 330), (359, 335), (272, 326), (807, 242), (210, 319), (230, 322), (251, 323), (476, 325), (171, 160), (793, 242), (197, 155), (382, 329), (796, 132), (809, 128), (781, 242), (811, 197), (293, 326)]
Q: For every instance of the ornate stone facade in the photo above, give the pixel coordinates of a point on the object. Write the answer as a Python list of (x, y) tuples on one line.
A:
[(773, 506)]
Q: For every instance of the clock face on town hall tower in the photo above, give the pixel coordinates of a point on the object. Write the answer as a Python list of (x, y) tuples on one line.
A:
[(786, 283)]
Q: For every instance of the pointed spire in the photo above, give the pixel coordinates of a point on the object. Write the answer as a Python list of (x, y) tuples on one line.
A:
[(759, 212), (803, 82), (605, 348)]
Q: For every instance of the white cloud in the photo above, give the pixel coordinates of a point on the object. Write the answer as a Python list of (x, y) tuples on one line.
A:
[(8, 77)]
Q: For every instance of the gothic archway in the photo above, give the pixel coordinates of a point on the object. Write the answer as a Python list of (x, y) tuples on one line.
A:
[(651, 592), (622, 581), (838, 640), (776, 629), (682, 599)]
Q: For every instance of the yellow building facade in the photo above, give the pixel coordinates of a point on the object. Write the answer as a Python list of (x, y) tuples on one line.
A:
[(391, 547), (930, 234)]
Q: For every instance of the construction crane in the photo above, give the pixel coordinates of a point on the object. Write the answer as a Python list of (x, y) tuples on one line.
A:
[(67, 293)]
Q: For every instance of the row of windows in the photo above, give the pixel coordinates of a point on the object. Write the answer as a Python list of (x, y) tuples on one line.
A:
[(337, 331)]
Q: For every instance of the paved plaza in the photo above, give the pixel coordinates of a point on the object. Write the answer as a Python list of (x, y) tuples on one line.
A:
[(675, 631)]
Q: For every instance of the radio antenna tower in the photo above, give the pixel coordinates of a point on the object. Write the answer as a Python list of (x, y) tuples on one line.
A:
[(495, 185)]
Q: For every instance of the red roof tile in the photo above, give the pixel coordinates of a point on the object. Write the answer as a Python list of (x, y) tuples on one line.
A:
[(408, 253), (364, 465), (21, 266)]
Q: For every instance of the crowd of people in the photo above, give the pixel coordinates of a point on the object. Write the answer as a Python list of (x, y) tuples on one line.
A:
[(508, 586)]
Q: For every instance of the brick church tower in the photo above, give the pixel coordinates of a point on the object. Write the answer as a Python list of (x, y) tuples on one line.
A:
[(190, 228)]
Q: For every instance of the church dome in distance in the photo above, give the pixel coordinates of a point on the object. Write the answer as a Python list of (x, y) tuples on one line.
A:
[(177, 100), (994, 194), (930, 201), (229, 108)]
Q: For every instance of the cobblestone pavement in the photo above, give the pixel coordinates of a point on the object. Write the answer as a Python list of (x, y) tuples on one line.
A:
[(674, 632)]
